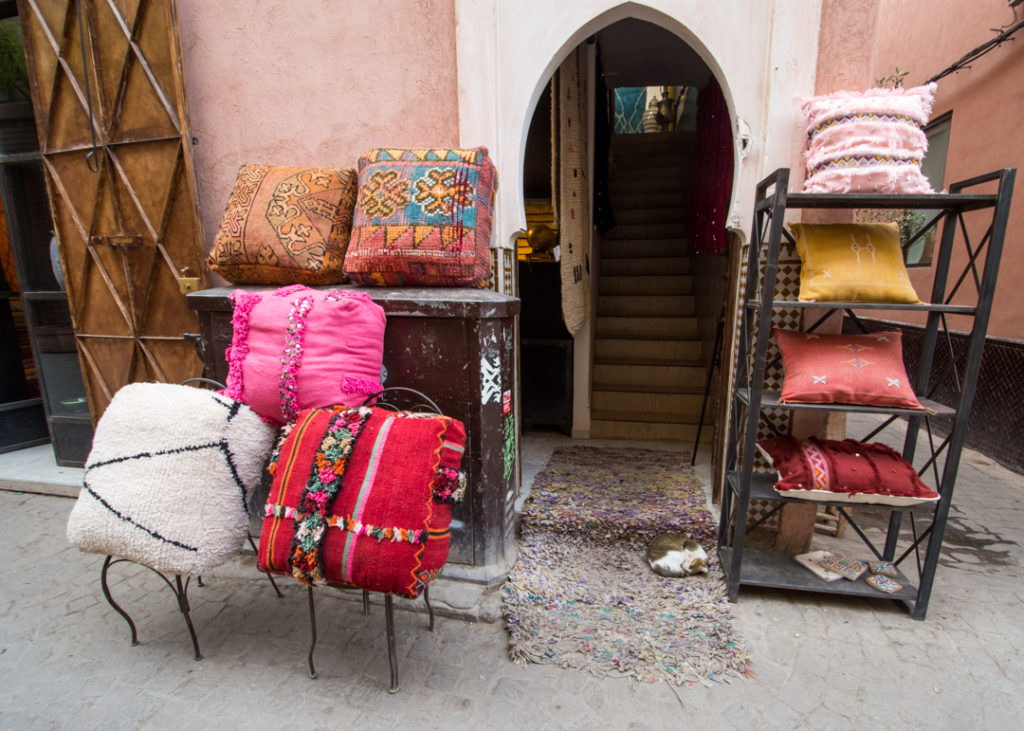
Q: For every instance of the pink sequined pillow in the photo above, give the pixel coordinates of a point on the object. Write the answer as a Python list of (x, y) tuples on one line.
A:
[(868, 142), (298, 348)]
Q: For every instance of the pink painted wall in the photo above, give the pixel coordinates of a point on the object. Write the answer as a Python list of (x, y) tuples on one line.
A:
[(987, 100), (316, 82)]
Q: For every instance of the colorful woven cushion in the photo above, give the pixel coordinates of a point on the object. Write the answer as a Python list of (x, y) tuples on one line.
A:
[(286, 225), (168, 478), (844, 471), (362, 497), (868, 142), (423, 217), (866, 370), (298, 348), (852, 262)]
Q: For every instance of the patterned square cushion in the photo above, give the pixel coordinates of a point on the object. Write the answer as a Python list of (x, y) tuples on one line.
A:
[(286, 225), (168, 478), (868, 142), (852, 262), (844, 471), (423, 217), (866, 370), (298, 348), (362, 497)]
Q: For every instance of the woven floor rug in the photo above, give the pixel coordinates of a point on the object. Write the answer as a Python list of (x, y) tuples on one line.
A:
[(582, 595)]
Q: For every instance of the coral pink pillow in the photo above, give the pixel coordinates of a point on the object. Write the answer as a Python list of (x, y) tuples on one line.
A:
[(298, 348), (865, 370), (851, 471), (868, 142)]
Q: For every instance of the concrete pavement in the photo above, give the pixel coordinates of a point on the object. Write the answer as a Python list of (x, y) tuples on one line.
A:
[(820, 662)]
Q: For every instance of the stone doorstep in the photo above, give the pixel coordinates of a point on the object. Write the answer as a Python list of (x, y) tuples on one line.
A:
[(451, 597)]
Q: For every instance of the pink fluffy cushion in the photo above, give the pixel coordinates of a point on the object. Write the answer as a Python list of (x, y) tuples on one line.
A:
[(844, 471), (298, 348), (865, 370), (868, 142)]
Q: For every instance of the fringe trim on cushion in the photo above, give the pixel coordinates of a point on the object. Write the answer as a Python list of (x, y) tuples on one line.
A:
[(393, 534), (289, 290), (313, 513), (897, 179), (914, 102), (291, 358), (336, 295), (449, 485), (239, 348), (360, 385)]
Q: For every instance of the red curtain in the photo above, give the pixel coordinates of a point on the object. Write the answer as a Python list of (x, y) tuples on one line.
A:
[(712, 171)]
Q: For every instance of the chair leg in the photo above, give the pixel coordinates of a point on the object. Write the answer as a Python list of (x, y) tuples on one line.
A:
[(430, 609), (312, 627), (389, 618), (181, 592), (270, 576), (110, 599)]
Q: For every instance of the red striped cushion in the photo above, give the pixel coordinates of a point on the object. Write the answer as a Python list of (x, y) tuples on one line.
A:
[(361, 497)]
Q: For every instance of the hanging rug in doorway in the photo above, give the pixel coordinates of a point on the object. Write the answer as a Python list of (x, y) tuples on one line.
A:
[(582, 596)]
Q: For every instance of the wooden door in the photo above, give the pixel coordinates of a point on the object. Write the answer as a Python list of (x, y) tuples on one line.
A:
[(110, 108)]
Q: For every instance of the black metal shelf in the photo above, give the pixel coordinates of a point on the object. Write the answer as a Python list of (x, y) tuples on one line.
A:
[(779, 570), (755, 304), (770, 400), (918, 548), (762, 488)]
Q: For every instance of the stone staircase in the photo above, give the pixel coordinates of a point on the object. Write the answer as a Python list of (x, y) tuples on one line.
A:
[(649, 375)]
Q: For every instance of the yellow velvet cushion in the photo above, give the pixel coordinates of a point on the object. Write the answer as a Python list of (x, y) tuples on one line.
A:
[(852, 262)]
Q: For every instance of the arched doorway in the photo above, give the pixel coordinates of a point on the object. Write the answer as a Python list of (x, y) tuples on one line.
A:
[(659, 170)]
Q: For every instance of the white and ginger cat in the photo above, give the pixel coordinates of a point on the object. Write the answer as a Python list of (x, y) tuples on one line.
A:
[(674, 554)]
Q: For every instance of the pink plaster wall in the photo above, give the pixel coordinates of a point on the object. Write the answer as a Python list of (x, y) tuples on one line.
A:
[(987, 100), (313, 82)]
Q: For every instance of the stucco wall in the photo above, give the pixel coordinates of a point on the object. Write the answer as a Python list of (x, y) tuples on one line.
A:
[(762, 51), (865, 40), (313, 82)]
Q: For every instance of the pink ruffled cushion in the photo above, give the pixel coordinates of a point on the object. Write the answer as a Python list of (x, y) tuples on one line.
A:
[(298, 348), (868, 142)]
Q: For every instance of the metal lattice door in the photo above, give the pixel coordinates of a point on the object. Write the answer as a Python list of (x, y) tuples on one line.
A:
[(113, 127)]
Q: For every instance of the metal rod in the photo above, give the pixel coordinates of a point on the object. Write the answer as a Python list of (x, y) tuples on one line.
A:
[(312, 628), (430, 609), (110, 600), (389, 620), (366, 602), (181, 591), (269, 575)]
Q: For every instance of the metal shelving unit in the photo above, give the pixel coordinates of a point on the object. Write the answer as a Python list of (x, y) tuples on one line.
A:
[(914, 551)]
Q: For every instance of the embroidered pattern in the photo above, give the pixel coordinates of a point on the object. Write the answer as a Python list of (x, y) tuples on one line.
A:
[(863, 161), (864, 117), (444, 190), (312, 515), (819, 465), (449, 485), (383, 194), (291, 359)]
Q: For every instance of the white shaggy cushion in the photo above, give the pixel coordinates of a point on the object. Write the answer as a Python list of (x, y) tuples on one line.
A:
[(169, 477)]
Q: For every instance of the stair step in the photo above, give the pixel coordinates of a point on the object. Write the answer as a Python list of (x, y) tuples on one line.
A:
[(643, 231), (648, 214), (627, 201), (643, 185), (632, 248), (647, 431), (669, 328), (607, 350), (642, 266), (644, 284), (653, 377), (632, 414), (656, 305), (685, 406)]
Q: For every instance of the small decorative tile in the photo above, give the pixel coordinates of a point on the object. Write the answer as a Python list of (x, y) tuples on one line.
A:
[(884, 583), (849, 568), (883, 568)]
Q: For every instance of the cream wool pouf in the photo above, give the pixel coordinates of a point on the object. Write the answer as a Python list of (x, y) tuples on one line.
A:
[(169, 476)]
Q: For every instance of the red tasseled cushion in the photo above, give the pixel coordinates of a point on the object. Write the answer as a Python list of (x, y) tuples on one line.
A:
[(362, 497)]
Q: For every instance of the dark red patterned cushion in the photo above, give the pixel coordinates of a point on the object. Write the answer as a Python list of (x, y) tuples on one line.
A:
[(847, 470), (362, 497)]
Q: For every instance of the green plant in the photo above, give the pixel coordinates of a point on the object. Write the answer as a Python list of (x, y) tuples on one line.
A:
[(894, 80), (13, 74)]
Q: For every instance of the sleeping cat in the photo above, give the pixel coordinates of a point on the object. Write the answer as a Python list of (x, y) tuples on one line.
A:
[(674, 554)]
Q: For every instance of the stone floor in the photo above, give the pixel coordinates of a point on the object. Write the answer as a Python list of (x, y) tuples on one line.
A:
[(820, 662)]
